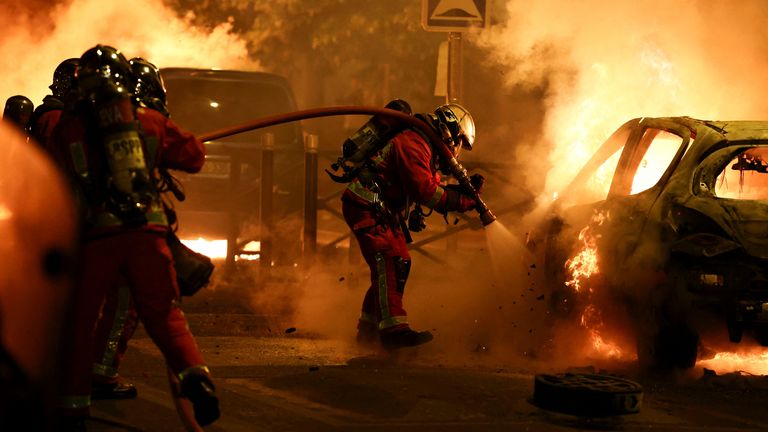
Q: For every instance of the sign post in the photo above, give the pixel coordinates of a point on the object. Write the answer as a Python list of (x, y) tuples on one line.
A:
[(454, 17)]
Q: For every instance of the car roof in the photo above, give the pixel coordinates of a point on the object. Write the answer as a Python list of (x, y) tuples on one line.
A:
[(733, 130), (224, 74)]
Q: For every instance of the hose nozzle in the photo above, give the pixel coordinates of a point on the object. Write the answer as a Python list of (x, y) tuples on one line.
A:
[(487, 217)]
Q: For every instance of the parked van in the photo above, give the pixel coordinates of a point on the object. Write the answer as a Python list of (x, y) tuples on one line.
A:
[(222, 201)]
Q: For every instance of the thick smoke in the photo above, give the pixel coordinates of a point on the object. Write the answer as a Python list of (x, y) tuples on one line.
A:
[(603, 63), (37, 37)]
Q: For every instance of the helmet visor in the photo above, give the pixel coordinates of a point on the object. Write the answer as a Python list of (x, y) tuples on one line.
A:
[(466, 132)]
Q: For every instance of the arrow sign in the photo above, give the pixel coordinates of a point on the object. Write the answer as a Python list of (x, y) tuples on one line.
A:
[(454, 15)]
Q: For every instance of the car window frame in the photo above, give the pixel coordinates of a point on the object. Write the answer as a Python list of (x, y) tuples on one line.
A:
[(635, 149)]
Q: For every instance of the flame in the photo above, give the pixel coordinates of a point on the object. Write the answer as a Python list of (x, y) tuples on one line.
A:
[(217, 249), (582, 266), (605, 348), (753, 361), (213, 249), (585, 263)]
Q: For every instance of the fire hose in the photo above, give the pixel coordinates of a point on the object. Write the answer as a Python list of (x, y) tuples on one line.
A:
[(457, 170)]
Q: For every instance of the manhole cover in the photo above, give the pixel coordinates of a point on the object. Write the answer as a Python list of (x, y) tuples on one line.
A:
[(587, 395)]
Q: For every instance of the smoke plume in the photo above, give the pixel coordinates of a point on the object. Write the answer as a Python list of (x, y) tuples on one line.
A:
[(37, 36), (603, 63)]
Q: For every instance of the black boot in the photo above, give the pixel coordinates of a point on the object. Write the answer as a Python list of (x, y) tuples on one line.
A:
[(404, 338), (367, 333), (117, 390), (200, 391)]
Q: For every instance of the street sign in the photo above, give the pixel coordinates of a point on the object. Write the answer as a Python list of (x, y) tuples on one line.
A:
[(454, 15)]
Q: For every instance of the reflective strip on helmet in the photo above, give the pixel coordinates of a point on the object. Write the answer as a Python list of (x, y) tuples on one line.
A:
[(75, 402), (106, 367), (435, 198), (392, 321), (79, 161), (358, 189), (194, 370)]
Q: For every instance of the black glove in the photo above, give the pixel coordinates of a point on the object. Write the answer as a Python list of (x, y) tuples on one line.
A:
[(477, 181)]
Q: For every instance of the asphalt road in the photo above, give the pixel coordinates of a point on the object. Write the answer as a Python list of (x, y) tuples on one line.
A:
[(273, 381)]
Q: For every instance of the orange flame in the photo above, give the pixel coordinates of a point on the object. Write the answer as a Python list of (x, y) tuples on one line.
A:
[(581, 267), (754, 361), (585, 263), (217, 249)]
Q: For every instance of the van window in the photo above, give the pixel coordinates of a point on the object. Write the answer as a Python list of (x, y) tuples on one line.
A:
[(205, 105)]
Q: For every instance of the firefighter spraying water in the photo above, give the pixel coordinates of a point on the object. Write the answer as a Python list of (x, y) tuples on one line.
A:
[(393, 162)]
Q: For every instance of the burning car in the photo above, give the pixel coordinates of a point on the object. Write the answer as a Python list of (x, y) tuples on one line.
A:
[(664, 231)]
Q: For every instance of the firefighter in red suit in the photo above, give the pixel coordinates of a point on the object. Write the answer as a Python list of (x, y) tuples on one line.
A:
[(108, 148), (47, 114), (406, 172), (118, 319)]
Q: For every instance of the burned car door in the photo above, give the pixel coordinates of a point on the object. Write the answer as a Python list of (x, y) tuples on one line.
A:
[(651, 156), (651, 150), (611, 213)]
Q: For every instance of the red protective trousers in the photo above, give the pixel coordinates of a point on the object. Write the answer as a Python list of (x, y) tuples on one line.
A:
[(143, 259), (385, 251)]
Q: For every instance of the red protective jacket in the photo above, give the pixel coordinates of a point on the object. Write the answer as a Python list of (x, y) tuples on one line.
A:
[(407, 172)]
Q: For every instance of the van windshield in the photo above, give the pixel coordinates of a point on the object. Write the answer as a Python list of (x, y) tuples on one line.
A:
[(203, 105)]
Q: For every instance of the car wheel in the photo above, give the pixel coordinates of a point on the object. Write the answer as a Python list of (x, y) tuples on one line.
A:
[(735, 331), (674, 346), (587, 395), (761, 333)]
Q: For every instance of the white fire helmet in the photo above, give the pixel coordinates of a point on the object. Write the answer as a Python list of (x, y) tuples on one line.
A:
[(37, 244), (460, 124)]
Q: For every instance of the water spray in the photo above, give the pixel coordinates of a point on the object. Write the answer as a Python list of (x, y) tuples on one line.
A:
[(457, 170)]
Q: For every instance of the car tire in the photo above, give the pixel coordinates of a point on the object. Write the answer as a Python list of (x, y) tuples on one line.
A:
[(761, 333), (587, 395), (735, 331), (674, 346)]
